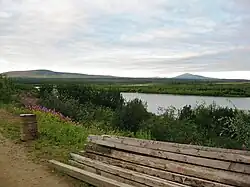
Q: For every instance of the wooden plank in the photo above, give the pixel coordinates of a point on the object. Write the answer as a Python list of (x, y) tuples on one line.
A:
[(105, 174), (201, 151), (221, 176), (175, 177), (235, 151), (125, 173), (87, 177), (219, 164)]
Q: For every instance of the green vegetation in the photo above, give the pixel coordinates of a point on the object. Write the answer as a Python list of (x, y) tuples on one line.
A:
[(188, 88), (186, 84), (203, 125), (6, 90), (57, 137), (67, 114), (230, 88)]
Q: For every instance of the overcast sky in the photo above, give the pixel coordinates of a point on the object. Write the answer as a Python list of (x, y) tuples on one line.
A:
[(138, 38)]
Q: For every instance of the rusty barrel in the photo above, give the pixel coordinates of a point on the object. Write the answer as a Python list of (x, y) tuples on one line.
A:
[(28, 128)]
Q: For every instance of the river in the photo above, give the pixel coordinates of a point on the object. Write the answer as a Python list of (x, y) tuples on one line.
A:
[(154, 101)]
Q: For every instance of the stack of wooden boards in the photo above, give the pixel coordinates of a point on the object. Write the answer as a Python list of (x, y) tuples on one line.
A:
[(120, 161)]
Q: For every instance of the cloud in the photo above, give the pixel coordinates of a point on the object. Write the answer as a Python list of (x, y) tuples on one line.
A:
[(129, 38)]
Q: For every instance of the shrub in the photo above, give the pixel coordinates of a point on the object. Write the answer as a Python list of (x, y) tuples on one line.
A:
[(181, 131), (212, 119), (6, 90), (203, 125), (238, 129), (90, 112), (86, 94), (45, 90), (68, 107), (186, 113), (158, 128), (132, 115)]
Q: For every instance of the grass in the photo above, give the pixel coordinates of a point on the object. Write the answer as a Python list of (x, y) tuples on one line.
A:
[(232, 83), (9, 125), (56, 140)]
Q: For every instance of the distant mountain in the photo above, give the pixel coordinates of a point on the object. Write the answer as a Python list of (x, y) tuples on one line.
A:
[(50, 74), (47, 74), (188, 76)]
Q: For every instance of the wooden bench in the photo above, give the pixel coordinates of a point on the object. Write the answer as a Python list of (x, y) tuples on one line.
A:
[(121, 161)]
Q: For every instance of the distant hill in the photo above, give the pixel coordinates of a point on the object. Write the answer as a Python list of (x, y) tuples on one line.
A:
[(35, 75), (50, 74), (188, 76)]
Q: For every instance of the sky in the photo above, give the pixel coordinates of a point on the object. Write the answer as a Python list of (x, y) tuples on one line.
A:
[(134, 38)]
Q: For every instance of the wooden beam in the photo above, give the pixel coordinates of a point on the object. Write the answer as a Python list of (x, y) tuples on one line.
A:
[(87, 177), (125, 173), (219, 164), (105, 174), (200, 151), (175, 177), (212, 174)]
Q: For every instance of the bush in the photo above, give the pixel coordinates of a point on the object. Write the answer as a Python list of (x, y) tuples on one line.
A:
[(132, 115), (6, 90), (181, 131), (186, 113), (158, 128), (45, 90), (212, 119), (67, 107), (86, 94), (90, 112), (203, 125), (238, 129)]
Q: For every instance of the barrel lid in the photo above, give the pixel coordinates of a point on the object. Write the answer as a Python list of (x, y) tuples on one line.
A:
[(26, 115)]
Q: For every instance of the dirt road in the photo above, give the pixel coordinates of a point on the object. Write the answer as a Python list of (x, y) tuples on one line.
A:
[(17, 170)]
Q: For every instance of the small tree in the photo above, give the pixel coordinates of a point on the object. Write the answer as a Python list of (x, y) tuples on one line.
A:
[(6, 89), (131, 116)]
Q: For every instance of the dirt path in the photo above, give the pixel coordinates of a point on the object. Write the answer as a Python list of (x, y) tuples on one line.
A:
[(16, 170)]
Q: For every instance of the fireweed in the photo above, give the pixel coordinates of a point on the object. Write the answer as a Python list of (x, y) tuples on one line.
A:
[(37, 108)]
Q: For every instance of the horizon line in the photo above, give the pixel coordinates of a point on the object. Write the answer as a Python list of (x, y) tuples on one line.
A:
[(174, 75)]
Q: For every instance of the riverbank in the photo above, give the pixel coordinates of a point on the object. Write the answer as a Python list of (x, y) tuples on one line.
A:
[(187, 88), (156, 102), (208, 125)]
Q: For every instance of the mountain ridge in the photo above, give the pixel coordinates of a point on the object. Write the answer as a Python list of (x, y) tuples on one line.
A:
[(43, 73)]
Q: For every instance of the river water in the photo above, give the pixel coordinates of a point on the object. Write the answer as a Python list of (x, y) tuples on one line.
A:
[(154, 101)]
